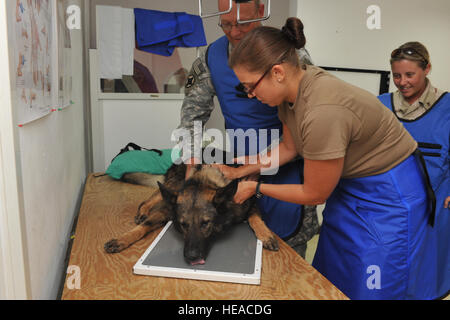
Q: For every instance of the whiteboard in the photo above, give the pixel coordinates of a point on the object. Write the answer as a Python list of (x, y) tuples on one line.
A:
[(235, 256), (370, 80)]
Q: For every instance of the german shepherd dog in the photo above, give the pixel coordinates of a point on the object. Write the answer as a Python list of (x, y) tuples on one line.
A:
[(200, 207)]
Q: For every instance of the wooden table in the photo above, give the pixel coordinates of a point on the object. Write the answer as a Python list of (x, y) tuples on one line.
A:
[(108, 209)]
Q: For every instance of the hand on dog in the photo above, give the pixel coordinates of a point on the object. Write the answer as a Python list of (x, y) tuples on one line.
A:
[(447, 202), (227, 171), (190, 163), (258, 159), (249, 166), (245, 190)]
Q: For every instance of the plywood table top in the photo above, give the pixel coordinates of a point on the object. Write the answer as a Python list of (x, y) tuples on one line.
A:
[(108, 209)]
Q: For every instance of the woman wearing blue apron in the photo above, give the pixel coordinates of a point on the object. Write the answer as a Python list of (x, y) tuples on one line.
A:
[(376, 240), (244, 115), (425, 113)]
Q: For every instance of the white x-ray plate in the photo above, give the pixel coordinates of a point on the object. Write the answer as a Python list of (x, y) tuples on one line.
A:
[(235, 256)]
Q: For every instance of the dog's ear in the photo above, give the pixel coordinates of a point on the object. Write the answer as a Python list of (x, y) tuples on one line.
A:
[(168, 196), (226, 193)]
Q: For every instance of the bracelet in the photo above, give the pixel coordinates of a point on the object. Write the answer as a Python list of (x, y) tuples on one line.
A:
[(259, 195)]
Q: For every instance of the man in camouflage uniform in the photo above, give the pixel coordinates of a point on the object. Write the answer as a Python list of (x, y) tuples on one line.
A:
[(200, 91)]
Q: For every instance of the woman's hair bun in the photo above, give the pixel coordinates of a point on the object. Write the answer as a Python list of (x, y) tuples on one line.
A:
[(293, 30)]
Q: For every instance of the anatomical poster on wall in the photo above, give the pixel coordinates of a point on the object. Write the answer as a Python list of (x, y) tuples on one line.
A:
[(64, 57), (34, 58)]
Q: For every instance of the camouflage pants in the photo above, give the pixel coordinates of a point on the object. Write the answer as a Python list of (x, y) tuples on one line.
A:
[(309, 227)]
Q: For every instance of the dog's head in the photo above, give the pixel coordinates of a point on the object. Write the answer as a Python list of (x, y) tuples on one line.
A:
[(199, 213)]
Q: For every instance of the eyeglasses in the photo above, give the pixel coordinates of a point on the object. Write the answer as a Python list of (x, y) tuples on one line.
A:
[(408, 51), (226, 26), (253, 87)]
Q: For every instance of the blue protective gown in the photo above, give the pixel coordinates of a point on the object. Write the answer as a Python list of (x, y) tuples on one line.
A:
[(240, 112), (432, 132), (375, 240)]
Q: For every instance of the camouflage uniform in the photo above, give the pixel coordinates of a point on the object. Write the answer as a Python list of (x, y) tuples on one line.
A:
[(197, 106), (308, 228)]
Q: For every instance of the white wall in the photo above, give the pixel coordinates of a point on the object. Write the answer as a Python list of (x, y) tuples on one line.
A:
[(337, 34), (52, 163), (148, 123), (13, 273)]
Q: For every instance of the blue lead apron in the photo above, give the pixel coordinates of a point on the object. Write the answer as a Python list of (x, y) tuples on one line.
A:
[(240, 112), (435, 146), (375, 240)]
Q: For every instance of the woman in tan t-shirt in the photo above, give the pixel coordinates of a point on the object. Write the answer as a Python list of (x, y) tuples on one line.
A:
[(375, 241)]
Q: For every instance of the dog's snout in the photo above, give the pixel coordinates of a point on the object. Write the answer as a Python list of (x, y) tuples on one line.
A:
[(194, 256), (195, 249)]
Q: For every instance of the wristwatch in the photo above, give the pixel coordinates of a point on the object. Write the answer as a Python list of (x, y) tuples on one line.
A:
[(259, 195)]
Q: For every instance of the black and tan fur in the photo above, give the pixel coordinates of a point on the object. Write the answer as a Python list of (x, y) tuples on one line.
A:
[(200, 207)]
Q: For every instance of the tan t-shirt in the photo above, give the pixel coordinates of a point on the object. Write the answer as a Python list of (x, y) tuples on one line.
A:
[(333, 119)]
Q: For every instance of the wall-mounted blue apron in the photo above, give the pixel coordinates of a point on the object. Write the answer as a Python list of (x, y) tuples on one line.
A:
[(432, 132), (240, 112), (375, 241)]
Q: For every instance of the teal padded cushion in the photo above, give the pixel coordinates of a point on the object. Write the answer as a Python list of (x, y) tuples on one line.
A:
[(142, 161)]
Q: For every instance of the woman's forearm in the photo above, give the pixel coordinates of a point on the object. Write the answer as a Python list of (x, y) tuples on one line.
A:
[(275, 158), (320, 179), (294, 193)]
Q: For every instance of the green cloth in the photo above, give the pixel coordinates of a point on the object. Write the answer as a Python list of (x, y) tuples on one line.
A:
[(142, 161)]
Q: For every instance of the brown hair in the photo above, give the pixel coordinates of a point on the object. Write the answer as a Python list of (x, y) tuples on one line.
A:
[(264, 46), (413, 51)]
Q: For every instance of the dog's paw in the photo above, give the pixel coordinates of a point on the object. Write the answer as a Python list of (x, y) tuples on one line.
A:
[(114, 246), (139, 218), (271, 244)]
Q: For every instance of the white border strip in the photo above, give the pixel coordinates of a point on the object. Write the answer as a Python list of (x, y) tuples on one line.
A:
[(197, 274)]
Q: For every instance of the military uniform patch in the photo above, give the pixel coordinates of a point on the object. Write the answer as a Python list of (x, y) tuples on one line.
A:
[(190, 81)]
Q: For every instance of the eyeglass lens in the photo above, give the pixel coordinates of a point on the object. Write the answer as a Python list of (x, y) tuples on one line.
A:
[(228, 26)]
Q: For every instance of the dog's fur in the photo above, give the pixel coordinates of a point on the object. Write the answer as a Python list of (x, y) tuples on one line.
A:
[(200, 207)]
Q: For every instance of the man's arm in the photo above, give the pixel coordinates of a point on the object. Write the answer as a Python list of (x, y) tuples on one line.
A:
[(198, 102)]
